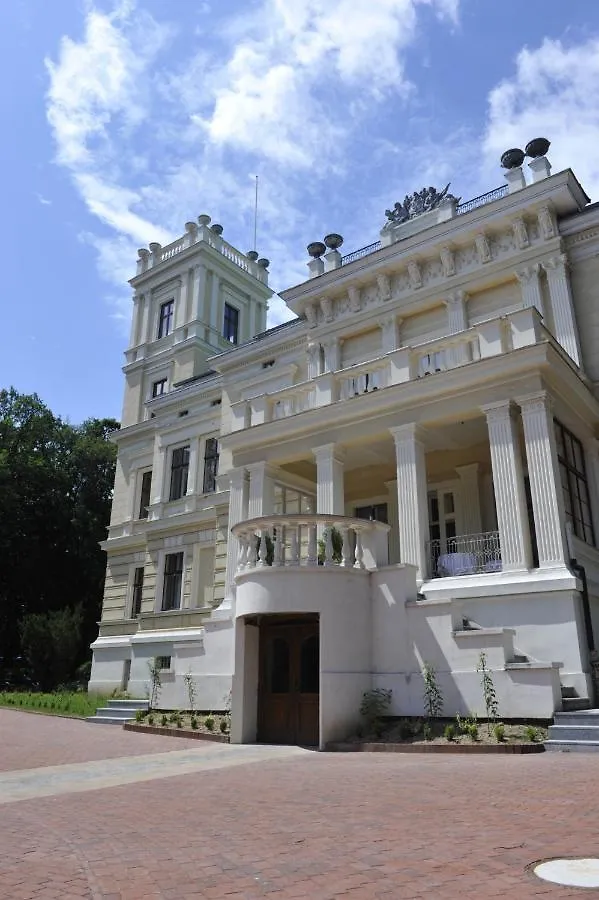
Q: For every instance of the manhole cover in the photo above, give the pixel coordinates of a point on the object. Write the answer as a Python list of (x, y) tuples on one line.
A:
[(582, 873)]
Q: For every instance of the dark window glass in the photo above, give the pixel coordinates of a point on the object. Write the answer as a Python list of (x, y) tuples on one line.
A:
[(179, 473), (279, 666), (210, 465), (173, 578), (309, 666), (231, 324), (159, 387), (375, 513), (138, 586), (163, 662), (574, 481), (144, 499), (166, 318)]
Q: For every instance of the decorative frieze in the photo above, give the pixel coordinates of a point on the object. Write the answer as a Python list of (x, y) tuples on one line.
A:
[(483, 249), (326, 305), (447, 261), (311, 315), (354, 298), (384, 285), (415, 275), (546, 222), (520, 233)]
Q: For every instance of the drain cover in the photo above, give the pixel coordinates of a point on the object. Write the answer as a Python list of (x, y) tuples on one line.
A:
[(582, 873)]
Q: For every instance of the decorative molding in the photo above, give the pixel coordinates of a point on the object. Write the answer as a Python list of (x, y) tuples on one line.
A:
[(326, 305), (311, 315), (354, 298), (482, 248), (414, 274), (384, 285), (447, 261), (520, 233), (546, 223)]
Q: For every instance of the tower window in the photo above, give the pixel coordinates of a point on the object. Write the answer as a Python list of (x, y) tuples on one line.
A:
[(166, 320), (144, 499), (231, 324), (173, 581), (138, 586), (179, 473), (210, 465), (159, 387)]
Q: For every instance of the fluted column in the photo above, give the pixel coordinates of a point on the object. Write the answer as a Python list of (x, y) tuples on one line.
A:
[(508, 484), (531, 287), (469, 498), (562, 307), (262, 490), (330, 496), (238, 511), (545, 482), (411, 497)]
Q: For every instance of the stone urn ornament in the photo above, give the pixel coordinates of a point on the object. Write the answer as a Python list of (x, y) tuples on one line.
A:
[(537, 147), (512, 159)]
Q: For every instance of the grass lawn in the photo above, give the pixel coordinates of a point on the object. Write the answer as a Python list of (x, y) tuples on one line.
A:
[(61, 703)]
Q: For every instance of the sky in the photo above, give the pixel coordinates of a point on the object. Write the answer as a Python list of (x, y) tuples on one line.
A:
[(123, 119)]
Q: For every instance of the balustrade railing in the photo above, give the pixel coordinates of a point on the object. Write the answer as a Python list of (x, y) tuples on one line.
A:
[(465, 554), (362, 378), (310, 540)]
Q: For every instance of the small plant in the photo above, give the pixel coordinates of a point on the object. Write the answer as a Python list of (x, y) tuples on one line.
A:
[(427, 732), (224, 726), (499, 732), (375, 704), (490, 697), (179, 722), (472, 731), (150, 719), (139, 715), (173, 717), (164, 721), (190, 686), (449, 733), (155, 682), (531, 734), (433, 698), (405, 730), (193, 722), (209, 723)]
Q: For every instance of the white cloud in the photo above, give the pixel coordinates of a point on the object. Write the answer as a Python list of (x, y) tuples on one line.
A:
[(553, 94), (43, 200)]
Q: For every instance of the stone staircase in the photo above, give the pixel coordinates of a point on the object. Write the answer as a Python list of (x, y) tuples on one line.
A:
[(117, 712), (571, 702), (575, 731)]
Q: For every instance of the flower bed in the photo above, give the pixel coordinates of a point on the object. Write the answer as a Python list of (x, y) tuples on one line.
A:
[(207, 726)]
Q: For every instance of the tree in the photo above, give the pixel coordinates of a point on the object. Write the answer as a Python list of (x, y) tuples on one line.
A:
[(51, 644), (55, 492)]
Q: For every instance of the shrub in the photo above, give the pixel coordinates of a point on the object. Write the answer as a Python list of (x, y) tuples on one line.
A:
[(433, 698), (179, 722), (173, 717), (139, 715), (337, 546), (499, 732), (531, 734), (449, 733), (490, 697), (193, 722), (473, 731), (224, 726), (51, 644), (427, 732), (164, 720), (209, 723), (375, 704), (150, 719), (405, 730), (191, 690)]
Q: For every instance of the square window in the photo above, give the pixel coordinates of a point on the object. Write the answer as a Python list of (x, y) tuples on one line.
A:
[(210, 466), (231, 324), (163, 663), (166, 318), (159, 387)]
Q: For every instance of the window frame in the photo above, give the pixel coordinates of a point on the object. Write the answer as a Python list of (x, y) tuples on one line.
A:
[(142, 511), (231, 316), (162, 383), (211, 460), (166, 318), (137, 586), (179, 472), (167, 583), (574, 483)]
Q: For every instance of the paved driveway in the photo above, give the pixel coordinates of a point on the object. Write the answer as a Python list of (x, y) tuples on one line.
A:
[(170, 818)]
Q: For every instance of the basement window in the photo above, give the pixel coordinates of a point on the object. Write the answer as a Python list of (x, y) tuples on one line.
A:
[(163, 663)]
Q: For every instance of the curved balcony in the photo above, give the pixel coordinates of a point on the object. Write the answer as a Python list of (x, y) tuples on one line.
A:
[(311, 540)]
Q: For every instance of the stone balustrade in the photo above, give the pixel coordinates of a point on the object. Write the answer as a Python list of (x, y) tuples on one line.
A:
[(310, 540)]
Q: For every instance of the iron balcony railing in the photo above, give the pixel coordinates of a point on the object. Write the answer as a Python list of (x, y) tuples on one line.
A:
[(465, 554)]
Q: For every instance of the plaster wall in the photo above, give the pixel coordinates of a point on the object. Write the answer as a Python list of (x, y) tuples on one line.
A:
[(584, 277)]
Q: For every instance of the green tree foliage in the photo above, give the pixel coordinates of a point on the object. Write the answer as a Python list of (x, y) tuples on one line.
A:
[(51, 644), (55, 493)]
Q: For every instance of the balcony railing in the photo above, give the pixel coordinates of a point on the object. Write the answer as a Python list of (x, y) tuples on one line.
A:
[(311, 540), (466, 554)]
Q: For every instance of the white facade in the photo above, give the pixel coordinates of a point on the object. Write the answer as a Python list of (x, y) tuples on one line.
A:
[(434, 404)]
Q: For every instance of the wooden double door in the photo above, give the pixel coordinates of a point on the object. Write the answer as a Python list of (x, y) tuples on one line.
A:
[(288, 687)]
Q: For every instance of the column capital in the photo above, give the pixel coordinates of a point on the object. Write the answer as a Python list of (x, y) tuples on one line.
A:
[(411, 433), (261, 467), (528, 273), (237, 477), (538, 401), (500, 411), (556, 263), (328, 452)]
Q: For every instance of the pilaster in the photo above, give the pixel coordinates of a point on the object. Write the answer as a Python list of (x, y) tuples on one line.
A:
[(508, 484), (194, 465), (158, 471), (531, 287), (330, 496), (389, 333), (470, 498), (562, 307), (411, 497), (181, 302), (198, 299), (545, 483), (238, 511), (214, 308)]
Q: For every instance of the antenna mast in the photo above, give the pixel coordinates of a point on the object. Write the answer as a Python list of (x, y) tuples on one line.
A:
[(256, 215)]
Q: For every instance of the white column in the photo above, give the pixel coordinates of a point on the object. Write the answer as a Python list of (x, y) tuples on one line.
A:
[(411, 497), (531, 287), (545, 482), (562, 307), (238, 504), (262, 490), (469, 502), (194, 465), (508, 484), (330, 497), (215, 324), (393, 516)]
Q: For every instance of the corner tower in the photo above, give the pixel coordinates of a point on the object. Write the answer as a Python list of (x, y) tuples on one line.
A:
[(192, 299)]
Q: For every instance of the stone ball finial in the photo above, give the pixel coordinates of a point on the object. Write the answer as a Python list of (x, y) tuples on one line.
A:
[(537, 147), (316, 249), (513, 158), (333, 241)]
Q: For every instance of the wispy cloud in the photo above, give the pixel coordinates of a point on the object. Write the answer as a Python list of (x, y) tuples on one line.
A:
[(43, 200)]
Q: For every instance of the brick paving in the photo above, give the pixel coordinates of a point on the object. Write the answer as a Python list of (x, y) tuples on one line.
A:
[(318, 826)]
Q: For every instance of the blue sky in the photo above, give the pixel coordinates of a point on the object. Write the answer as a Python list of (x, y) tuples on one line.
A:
[(123, 119)]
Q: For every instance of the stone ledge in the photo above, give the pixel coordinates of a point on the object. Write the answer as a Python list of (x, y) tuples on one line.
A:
[(342, 747), (177, 732)]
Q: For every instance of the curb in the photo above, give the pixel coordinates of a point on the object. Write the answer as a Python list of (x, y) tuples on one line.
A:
[(518, 749), (177, 732)]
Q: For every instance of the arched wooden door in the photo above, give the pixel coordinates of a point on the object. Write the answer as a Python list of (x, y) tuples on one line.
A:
[(288, 691)]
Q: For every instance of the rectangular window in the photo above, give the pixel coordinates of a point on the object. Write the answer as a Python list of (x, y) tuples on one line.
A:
[(166, 318), (575, 485), (173, 581), (138, 586), (144, 497), (159, 387), (210, 466), (231, 324), (163, 663), (179, 473)]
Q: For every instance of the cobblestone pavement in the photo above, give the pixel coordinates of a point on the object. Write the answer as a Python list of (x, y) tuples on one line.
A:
[(300, 825)]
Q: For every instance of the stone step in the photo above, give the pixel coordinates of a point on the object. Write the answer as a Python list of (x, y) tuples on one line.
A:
[(574, 733), (106, 720), (586, 717), (569, 692), (129, 704), (115, 712), (570, 704), (573, 746)]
